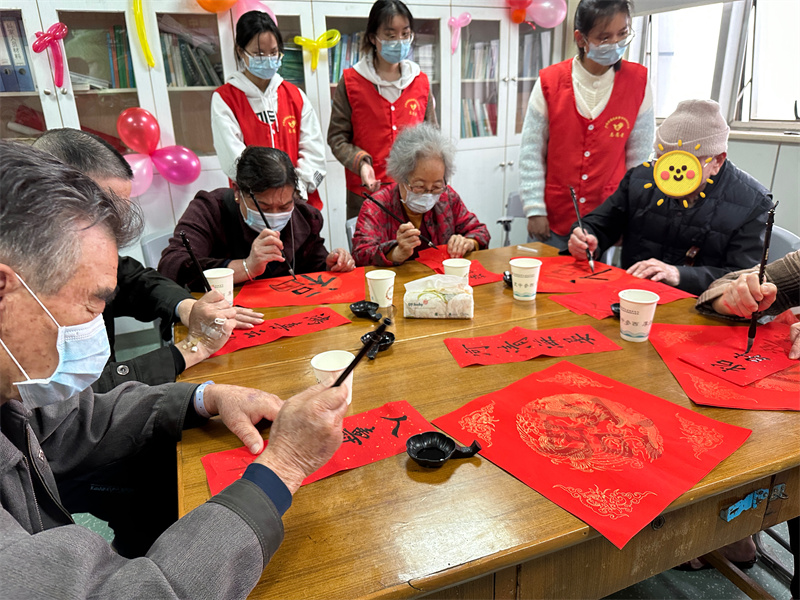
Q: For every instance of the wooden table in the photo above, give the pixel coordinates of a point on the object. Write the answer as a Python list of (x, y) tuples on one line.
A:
[(395, 530)]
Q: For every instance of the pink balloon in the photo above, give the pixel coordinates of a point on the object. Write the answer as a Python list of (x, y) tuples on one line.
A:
[(243, 6), (142, 167), (547, 13), (139, 130), (177, 164)]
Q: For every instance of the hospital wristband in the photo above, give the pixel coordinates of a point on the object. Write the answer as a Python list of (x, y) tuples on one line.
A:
[(199, 406)]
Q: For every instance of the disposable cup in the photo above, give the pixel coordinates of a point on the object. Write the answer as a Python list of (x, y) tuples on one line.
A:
[(525, 277), (329, 365), (636, 311), (381, 287), (221, 279), (457, 266)]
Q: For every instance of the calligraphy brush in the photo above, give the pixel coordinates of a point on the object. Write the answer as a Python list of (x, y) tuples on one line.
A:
[(376, 336), (580, 224), (266, 224), (751, 333), (395, 217), (188, 247)]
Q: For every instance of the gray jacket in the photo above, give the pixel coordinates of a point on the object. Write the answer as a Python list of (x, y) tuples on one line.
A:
[(217, 551)]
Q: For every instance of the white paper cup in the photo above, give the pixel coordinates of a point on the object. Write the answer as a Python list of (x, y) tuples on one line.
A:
[(221, 280), (525, 277), (636, 311), (329, 365), (459, 267), (381, 287)]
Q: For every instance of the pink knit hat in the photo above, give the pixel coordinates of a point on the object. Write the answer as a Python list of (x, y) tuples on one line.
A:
[(694, 122)]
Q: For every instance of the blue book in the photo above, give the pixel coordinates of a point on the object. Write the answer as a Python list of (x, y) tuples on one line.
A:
[(111, 61), (15, 38), (7, 74)]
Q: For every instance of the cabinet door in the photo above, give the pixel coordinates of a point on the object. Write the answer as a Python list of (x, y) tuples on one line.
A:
[(28, 98), (480, 79), (480, 181)]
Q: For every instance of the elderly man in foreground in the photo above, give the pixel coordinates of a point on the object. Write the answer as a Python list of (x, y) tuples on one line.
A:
[(58, 262)]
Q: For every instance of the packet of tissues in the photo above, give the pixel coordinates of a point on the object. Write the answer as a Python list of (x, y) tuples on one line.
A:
[(438, 297)]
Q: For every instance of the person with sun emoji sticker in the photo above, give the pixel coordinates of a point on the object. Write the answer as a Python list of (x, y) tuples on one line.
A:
[(690, 216)]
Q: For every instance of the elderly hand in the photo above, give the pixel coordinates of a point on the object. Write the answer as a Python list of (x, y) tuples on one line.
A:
[(368, 177), (407, 240), (306, 433), (655, 270), (744, 296), (340, 261), (210, 323), (247, 318), (794, 337), (266, 248), (539, 227), (458, 245), (579, 242), (240, 409)]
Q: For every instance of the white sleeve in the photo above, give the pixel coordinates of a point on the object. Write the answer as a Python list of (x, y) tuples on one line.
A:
[(227, 134), (311, 150), (533, 154), (640, 143)]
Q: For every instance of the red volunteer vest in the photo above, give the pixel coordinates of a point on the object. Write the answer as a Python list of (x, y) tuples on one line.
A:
[(587, 154), (256, 133), (376, 121)]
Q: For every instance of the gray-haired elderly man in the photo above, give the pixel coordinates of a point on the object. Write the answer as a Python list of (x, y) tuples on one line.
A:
[(58, 261)]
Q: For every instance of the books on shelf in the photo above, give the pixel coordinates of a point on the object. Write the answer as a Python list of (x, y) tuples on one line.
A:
[(15, 67), (479, 60), (190, 58), (292, 65), (344, 55), (535, 49), (478, 118), (99, 58)]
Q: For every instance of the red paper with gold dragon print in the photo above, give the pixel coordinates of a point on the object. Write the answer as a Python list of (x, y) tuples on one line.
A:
[(612, 455)]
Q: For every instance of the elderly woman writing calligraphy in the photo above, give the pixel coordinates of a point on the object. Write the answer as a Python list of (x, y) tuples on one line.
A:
[(421, 162)]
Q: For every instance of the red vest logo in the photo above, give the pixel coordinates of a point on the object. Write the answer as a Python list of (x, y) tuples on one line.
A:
[(617, 126), (412, 106), (290, 121)]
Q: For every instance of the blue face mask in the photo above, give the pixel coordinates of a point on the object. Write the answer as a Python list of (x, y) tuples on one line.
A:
[(83, 352), (263, 67), (605, 54), (393, 51)]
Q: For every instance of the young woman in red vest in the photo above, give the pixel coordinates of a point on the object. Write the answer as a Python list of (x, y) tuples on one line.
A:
[(382, 93), (602, 108), (256, 107)]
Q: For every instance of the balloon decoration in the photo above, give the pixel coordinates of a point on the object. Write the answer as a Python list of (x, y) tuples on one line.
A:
[(518, 9), (141, 32), (244, 6), (456, 23), (52, 40), (547, 13), (216, 6), (327, 40), (139, 130)]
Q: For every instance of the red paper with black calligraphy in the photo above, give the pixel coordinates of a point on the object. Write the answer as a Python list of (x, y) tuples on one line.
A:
[(366, 438), (567, 274), (519, 344), (292, 326), (610, 454), (307, 289), (779, 391), (597, 303), (478, 274)]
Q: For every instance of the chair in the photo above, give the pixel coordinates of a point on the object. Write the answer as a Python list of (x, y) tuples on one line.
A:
[(782, 243), (152, 245), (350, 229), (513, 209)]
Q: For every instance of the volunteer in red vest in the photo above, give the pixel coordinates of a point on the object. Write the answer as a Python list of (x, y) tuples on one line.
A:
[(375, 99), (602, 110), (257, 107)]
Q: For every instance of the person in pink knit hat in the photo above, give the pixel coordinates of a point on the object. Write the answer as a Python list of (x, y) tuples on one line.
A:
[(687, 218)]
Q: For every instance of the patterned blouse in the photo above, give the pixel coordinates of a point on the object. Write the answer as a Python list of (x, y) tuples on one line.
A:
[(376, 232)]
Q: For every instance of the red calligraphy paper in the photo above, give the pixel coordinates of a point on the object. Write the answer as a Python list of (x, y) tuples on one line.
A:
[(597, 303), (729, 361), (366, 438), (610, 454), (478, 274), (519, 344), (325, 287), (779, 391), (292, 326), (567, 274)]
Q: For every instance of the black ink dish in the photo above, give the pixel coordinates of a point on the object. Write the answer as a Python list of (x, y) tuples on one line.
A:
[(366, 310), (432, 449), (387, 339)]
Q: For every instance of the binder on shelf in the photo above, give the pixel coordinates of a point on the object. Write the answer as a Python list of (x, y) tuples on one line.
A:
[(12, 27), (8, 75)]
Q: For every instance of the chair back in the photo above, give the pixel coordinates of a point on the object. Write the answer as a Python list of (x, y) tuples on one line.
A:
[(152, 246), (350, 229), (782, 243)]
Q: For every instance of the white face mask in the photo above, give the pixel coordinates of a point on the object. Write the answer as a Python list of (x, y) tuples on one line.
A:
[(420, 203), (276, 221), (83, 352)]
